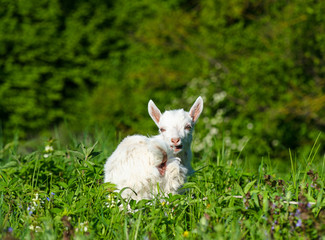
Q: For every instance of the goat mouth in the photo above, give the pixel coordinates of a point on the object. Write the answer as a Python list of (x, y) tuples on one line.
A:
[(177, 148)]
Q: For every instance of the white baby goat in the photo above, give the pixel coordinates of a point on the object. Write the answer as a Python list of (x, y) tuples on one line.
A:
[(176, 128), (140, 164)]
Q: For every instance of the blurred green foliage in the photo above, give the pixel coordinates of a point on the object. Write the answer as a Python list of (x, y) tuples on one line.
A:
[(259, 65)]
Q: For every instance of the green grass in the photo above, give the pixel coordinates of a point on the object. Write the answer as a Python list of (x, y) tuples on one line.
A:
[(56, 192)]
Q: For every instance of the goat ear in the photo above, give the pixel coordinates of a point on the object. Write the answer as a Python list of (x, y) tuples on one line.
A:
[(196, 109), (154, 112)]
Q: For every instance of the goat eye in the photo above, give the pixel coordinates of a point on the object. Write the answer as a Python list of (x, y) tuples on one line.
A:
[(162, 129), (188, 127)]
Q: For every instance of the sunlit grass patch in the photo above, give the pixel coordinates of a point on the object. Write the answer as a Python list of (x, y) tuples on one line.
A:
[(57, 193)]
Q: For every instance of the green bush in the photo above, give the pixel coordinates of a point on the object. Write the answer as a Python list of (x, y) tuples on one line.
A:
[(258, 64), (267, 78)]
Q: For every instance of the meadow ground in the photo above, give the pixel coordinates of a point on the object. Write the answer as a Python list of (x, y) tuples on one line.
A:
[(57, 193)]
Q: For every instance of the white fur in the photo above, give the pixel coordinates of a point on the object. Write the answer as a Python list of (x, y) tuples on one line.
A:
[(135, 164), (176, 128)]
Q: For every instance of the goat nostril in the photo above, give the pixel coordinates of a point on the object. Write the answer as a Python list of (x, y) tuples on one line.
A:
[(175, 140)]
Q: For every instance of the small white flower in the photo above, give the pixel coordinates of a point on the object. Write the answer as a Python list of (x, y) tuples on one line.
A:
[(38, 229), (48, 148), (227, 141), (214, 131), (30, 209), (46, 155), (233, 146), (111, 201), (36, 197), (219, 97), (83, 227), (275, 143)]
